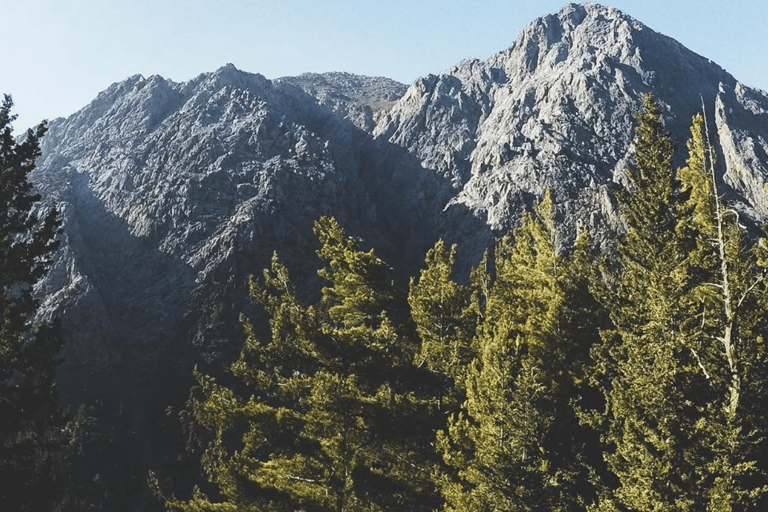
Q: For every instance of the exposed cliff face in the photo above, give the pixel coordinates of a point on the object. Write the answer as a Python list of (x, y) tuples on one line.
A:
[(359, 99), (171, 195), (173, 192), (741, 119), (557, 110)]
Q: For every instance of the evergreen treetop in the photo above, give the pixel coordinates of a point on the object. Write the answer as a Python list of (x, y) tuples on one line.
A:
[(31, 420)]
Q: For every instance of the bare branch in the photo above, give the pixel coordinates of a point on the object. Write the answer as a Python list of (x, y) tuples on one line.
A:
[(698, 361), (746, 292)]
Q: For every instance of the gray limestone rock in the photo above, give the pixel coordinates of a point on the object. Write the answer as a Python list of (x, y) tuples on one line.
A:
[(359, 99), (556, 110), (172, 193)]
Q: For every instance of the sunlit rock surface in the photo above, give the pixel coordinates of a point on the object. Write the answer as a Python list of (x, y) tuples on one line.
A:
[(173, 193)]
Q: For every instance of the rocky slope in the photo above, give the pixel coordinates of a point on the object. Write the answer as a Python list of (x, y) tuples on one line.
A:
[(359, 99), (172, 193), (556, 110)]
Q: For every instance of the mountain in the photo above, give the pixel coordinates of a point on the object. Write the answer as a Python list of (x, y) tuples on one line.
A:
[(359, 99), (173, 193), (556, 109)]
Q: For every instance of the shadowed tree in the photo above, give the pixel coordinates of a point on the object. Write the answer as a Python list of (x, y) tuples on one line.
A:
[(31, 420), (446, 314), (327, 414)]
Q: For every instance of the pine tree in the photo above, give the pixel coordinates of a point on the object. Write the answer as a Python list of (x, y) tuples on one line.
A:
[(446, 314), (515, 444), (643, 365), (30, 417), (687, 341), (726, 337), (327, 417), (391, 421)]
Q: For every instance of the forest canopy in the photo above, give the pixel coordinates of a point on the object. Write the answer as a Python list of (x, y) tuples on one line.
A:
[(627, 377), (549, 378)]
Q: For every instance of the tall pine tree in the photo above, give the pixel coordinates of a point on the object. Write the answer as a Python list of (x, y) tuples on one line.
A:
[(31, 420), (643, 365), (516, 444), (727, 329), (328, 417), (687, 343), (446, 314)]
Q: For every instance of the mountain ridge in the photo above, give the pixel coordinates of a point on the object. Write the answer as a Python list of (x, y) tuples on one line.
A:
[(551, 87), (172, 193)]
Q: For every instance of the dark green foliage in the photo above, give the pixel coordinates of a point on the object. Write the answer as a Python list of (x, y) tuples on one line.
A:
[(726, 336), (643, 363), (686, 304), (446, 314), (105, 467), (30, 417)]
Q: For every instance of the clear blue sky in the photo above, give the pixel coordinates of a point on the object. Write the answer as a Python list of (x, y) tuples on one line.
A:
[(61, 53)]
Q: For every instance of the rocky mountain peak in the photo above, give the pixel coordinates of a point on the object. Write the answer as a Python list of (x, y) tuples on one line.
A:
[(167, 188), (172, 193), (549, 39), (594, 37), (556, 109), (359, 99)]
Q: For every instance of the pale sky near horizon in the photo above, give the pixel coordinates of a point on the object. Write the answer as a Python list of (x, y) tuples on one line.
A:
[(62, 53)]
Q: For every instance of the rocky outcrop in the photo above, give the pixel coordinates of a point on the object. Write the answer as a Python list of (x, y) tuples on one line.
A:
[(741, 120), (556, 110), (359, 99), (172, 193)]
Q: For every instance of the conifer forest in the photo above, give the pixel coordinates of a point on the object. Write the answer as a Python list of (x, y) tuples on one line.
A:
[(619, 375)]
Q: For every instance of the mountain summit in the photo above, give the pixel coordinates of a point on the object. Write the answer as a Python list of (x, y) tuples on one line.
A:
[(556, 110), (172, 193)]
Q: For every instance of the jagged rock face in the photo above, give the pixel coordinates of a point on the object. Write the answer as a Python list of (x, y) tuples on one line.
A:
[(172, 193), (741, 119), (359, 99), (557, 110)]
